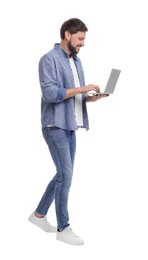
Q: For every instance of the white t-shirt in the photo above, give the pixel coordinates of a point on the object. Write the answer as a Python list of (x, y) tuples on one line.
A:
[(78, 98)]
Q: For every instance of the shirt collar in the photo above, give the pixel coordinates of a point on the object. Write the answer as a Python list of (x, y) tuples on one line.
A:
[(58, 48)]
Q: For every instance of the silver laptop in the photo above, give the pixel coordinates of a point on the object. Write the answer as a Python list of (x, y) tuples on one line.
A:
[(111, 83)]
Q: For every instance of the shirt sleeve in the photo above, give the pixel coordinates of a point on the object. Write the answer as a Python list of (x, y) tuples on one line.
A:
[(51, 92)]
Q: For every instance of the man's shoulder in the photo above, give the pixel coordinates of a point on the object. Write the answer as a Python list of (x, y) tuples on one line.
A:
[(49, 54), (48, 57), (56, 52)]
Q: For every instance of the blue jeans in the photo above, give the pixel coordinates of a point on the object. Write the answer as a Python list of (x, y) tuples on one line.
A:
[(62, 146)]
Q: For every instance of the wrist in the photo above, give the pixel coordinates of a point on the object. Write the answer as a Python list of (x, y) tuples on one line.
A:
[(80, 90)]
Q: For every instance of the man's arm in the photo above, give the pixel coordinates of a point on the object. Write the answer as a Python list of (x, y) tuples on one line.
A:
[(71, 92)]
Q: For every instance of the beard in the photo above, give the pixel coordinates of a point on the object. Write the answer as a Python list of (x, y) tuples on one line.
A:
[(72, 49)]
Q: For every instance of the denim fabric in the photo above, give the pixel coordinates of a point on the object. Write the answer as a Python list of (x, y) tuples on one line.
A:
[(55, 77), (62, 145)]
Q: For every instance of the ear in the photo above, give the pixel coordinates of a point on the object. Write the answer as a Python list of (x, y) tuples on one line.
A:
[(67, 35)]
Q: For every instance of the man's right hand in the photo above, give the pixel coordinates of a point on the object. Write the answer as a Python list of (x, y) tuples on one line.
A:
[(90, 87)]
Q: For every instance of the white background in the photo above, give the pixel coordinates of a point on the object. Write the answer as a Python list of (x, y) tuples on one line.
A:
[(108, 198)]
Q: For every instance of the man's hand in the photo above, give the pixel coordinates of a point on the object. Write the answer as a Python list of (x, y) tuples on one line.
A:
[(89, 87), (94, 98)]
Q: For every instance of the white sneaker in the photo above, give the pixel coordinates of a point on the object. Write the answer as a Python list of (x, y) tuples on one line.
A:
[(69, 237), (42, 223)]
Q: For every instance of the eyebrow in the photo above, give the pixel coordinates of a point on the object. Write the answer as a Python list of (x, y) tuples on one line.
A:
[(82, 38)]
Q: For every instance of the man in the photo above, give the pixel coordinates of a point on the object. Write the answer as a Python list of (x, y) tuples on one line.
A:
[(63, 111)]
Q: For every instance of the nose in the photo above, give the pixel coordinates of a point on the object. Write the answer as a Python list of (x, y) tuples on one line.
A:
[(82, 43)]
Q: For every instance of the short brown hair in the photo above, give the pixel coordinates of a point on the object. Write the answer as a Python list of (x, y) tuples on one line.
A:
[(73, 25)]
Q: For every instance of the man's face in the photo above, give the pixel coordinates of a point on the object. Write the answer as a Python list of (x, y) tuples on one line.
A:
[(76, 41)]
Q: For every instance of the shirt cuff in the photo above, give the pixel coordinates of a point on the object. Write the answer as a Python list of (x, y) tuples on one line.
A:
[(61, 94)]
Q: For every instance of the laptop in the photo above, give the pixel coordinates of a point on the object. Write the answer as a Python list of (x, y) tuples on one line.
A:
[(111, 83)]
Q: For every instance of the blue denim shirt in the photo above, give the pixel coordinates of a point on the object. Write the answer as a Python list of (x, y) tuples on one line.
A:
[(55, 77)]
